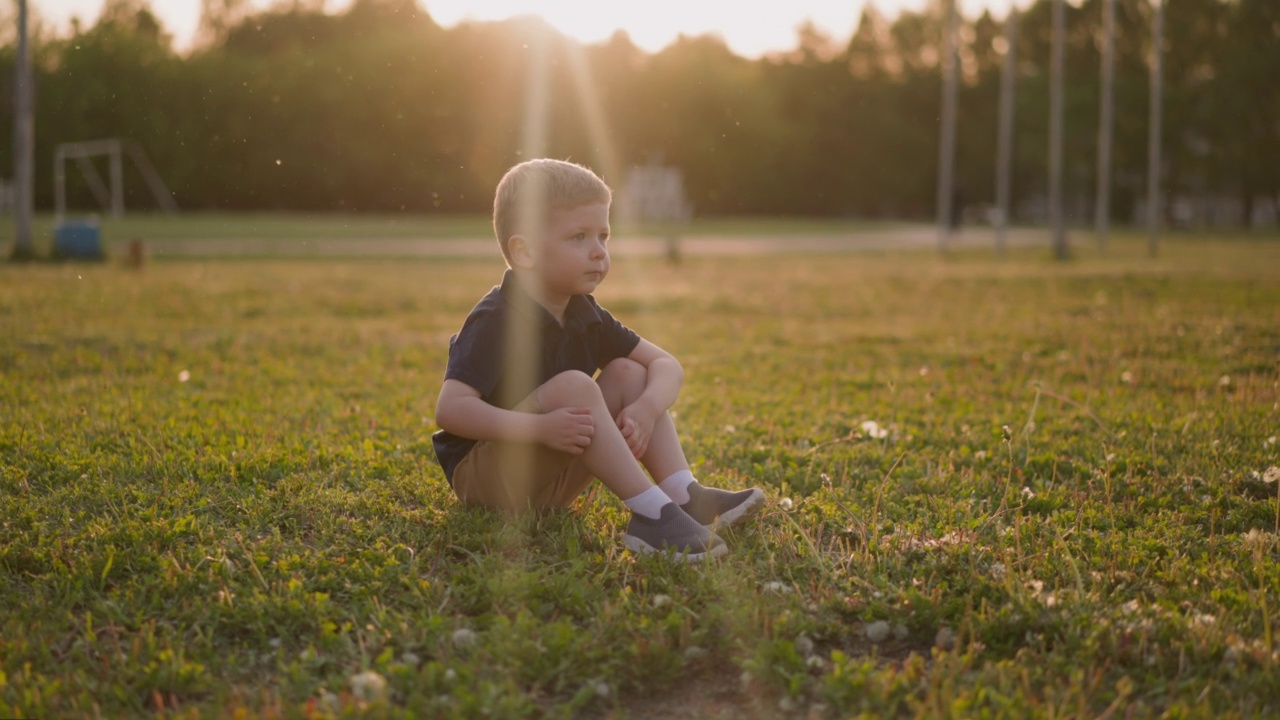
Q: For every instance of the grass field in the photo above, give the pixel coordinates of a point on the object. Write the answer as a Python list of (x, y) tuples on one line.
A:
[(997, 488)]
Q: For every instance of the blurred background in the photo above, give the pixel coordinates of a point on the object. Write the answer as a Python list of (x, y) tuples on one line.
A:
[(376, 106)]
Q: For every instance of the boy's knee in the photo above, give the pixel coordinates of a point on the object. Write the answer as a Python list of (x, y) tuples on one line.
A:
[(571, 387), (625, 373)]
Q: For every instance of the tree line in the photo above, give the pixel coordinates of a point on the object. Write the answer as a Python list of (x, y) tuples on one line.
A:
[(379, 108)]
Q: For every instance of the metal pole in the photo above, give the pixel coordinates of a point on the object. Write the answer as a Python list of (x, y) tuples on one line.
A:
[(1153, 136), (947, 141), (1056, 222), (117, 182), (1102, 218), (23, 142), (59, 183), (1004, 145)]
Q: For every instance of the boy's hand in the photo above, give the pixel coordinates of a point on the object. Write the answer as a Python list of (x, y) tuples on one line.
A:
[(567, 429), (636, 424)]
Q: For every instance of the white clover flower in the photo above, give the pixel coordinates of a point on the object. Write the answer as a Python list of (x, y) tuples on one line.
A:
[(804, 645), (779, 587), (1271, 475), (785, 503), (450, 675), (184, 376), (661, 600), (731, 428), (997, 569), (980, 455), (464, 637), (601, 689), (873, 430), (1224, 381), (878, 631), (945, 639), (368, 686), (924, 371), (1028, 493), (1271, 440), (693, 652), (1126, 377)]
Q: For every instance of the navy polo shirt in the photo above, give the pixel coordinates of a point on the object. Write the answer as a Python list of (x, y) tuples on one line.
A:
[(589, 339)]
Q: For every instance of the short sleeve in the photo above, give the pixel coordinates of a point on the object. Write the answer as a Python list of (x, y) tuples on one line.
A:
[(615, 339), (475, 353)]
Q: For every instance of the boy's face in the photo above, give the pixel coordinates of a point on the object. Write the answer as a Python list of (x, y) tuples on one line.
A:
[(572, 257)]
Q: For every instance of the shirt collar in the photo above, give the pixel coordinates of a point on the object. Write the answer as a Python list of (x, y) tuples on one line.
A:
[(579, 314)]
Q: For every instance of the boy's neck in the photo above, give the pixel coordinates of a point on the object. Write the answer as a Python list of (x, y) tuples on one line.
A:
[(552, 303)]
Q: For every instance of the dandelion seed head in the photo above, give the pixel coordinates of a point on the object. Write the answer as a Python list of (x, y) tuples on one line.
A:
[(785, 503)]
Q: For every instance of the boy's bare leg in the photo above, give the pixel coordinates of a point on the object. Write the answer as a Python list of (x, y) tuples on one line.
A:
[(607, 457), (621, 382)]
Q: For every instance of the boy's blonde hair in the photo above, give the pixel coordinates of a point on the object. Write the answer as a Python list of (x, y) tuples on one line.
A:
[(531, 190)]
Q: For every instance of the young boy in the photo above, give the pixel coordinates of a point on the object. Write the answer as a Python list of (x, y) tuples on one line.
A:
[(526, 423)]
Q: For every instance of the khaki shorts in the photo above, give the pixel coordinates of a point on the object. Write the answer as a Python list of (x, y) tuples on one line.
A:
[(519, 476)]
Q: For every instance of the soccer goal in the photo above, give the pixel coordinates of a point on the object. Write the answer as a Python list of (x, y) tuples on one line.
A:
[(108, 193)]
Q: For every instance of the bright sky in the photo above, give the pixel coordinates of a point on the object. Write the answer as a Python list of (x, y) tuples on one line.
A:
[(750, 29)]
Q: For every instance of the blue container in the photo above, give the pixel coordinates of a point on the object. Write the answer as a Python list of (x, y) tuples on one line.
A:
[(77, 240)]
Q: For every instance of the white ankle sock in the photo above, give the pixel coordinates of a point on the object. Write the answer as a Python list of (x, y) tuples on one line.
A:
[(677, 486), (648, 503)]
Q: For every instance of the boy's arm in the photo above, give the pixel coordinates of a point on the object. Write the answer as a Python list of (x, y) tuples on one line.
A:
[(666, 376), (461, 410), (662, 387)]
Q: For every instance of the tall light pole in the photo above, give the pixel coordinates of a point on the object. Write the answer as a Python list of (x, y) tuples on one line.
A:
[(1056, 221), (947, 141), (1153, 133), (23, 142), (1004, 143), (1102, 206)]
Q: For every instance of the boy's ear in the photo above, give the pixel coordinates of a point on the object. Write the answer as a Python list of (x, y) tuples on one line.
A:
[(521, 252)]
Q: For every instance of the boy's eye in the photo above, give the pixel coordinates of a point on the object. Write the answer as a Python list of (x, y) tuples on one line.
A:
[(604, 237), (580, 236)]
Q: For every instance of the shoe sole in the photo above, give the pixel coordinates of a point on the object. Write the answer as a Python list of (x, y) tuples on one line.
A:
[(640, 547), (745, 509)]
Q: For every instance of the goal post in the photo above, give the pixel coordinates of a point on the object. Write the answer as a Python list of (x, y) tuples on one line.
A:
[(110, 193)]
